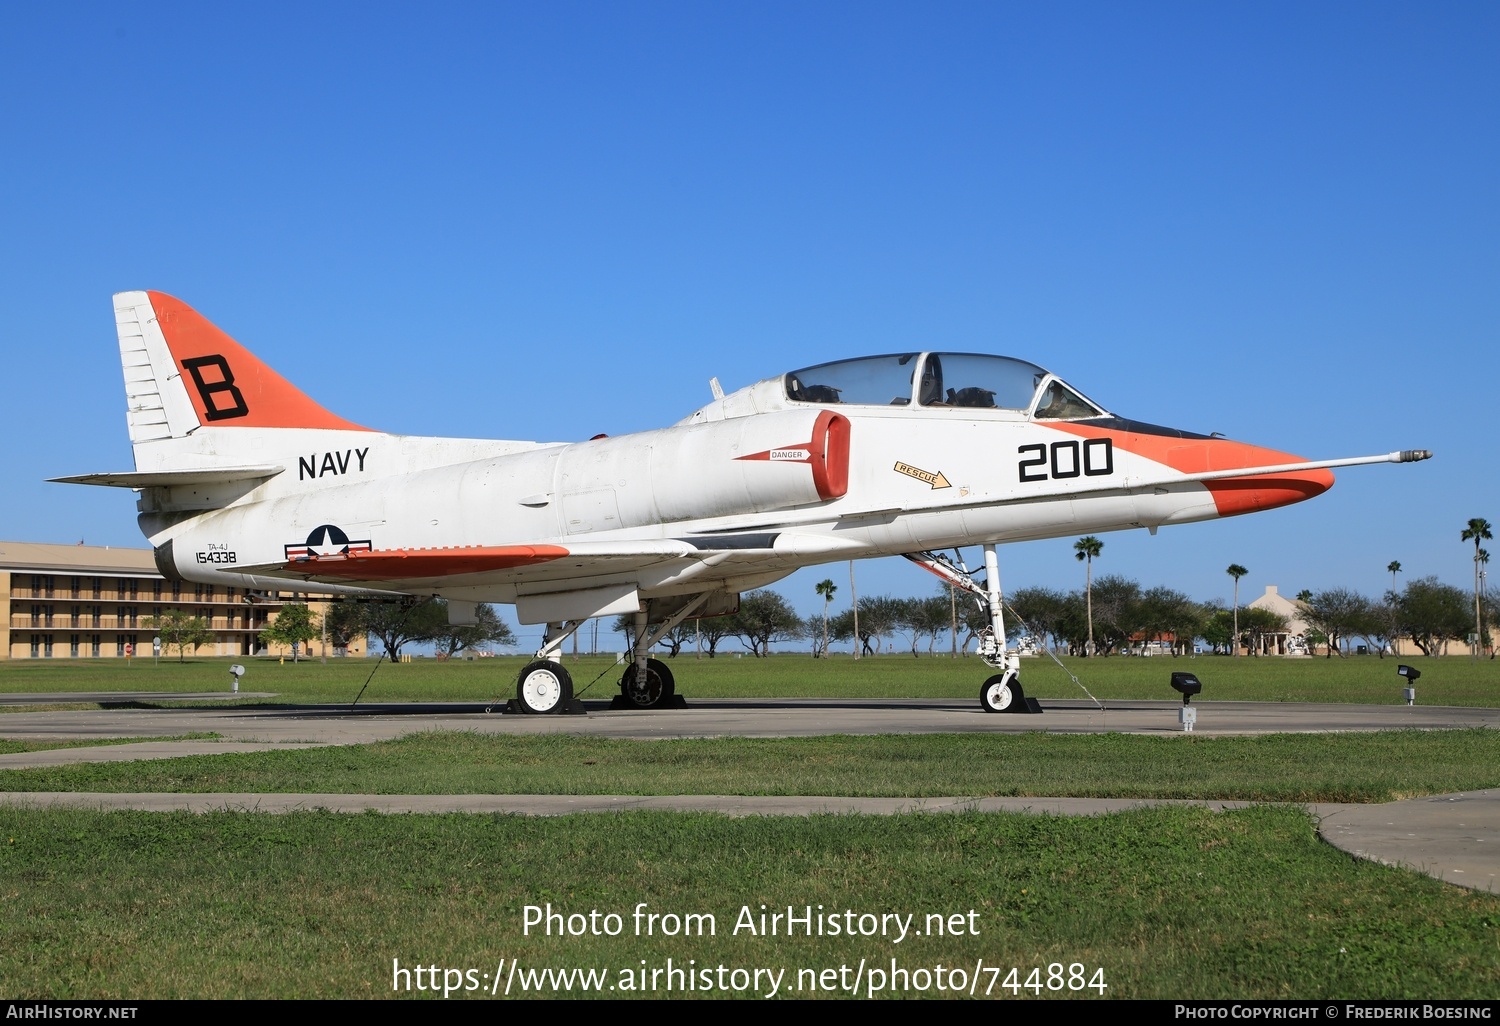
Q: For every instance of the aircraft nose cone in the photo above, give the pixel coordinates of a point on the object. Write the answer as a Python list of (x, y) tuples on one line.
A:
[(1250, 494)]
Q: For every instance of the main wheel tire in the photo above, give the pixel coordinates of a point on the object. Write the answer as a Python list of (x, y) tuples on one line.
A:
[(1002, 693), (659, 686), (544, 687)]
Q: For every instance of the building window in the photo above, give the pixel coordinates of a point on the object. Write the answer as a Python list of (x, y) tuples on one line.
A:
[(36, 646), (77, 610), (46, 646), (156, 589), (73, 646), (78, 587), (94, 645), (98, 588), (176, 590)]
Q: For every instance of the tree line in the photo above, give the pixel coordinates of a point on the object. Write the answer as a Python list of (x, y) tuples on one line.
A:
[(395, 623), (1120, 616), (1113, 615)]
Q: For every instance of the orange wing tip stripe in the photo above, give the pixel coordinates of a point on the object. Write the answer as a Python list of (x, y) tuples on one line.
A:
[(230, 386), (404, 564)]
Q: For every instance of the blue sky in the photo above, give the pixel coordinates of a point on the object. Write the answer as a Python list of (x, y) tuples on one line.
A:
[(1273, 220)]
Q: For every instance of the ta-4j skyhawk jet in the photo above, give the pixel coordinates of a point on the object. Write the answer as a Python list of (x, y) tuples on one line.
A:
[(245, 481)]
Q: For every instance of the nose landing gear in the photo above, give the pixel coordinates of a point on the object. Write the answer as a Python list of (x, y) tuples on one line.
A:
[(1002, 692)]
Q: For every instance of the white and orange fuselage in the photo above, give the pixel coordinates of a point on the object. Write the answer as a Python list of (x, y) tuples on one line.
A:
[(245, 480)]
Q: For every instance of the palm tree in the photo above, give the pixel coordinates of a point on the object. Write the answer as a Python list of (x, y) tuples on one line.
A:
[(1393, 568), (1086, 550), (826, 588), (1236, 571), (1477, 531)]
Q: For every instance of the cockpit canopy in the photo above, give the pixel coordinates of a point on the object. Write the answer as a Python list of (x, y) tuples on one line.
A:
[(939, 381)]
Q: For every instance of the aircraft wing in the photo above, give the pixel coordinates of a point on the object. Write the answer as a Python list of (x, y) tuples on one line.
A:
[(539, 567), (414, 567)]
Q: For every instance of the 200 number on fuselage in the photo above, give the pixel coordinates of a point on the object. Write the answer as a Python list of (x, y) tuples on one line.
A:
[(1093, 457)]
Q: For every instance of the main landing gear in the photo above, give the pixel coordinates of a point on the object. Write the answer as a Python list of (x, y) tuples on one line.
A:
[(1002, 692), (545, 686), (650, 690), (647, 683)]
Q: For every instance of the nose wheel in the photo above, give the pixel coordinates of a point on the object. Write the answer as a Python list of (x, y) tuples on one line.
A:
[(1002, 693)]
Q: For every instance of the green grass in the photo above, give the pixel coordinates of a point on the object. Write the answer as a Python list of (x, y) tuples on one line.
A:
[(1448, 681), (1362, 767), (1169, 903), (15, 747)]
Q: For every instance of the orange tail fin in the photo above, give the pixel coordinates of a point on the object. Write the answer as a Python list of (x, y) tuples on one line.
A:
[(228, 385)]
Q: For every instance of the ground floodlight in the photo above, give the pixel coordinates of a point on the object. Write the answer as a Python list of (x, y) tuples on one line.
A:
[(1411, 673), (1187, 684), (236, 671)]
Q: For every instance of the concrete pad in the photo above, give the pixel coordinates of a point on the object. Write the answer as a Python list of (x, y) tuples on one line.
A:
[(1454, 837)]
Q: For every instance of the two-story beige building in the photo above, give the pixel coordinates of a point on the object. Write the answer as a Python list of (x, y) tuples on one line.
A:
[(90, 601)]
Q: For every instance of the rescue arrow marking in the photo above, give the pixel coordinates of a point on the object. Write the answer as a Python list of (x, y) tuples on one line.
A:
[(936, 480)]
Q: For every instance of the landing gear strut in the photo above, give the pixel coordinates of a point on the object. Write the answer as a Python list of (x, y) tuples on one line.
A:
[(1002, 692), (647, 683)]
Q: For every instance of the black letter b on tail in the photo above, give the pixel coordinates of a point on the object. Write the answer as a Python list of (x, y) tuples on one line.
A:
[(209, 390)]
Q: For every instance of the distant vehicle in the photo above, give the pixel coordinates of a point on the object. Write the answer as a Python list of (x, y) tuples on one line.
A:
[(246, 481)]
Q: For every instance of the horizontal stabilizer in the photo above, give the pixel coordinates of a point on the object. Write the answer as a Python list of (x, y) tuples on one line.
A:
[(172, 478)]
